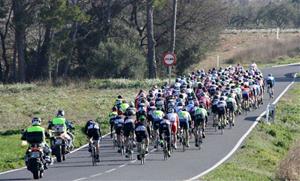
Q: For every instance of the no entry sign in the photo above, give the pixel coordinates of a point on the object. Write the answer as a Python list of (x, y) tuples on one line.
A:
[(169, 59)]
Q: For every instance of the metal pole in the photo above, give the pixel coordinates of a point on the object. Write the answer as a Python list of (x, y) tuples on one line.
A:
[(277, 34), (218, 61), (170, 72)]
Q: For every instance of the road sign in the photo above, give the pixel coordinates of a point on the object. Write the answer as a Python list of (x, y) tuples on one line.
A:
[(169, 59)]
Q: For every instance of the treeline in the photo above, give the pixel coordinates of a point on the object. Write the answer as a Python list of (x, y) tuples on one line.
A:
[(53, 39), (263, 14)]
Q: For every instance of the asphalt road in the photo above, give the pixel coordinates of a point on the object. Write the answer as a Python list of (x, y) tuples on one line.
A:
[(181, 165)]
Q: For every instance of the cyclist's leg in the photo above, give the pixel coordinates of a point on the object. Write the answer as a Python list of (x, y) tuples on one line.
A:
[(187, 137)]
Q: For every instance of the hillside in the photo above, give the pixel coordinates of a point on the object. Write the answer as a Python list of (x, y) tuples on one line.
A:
[(246, 47)]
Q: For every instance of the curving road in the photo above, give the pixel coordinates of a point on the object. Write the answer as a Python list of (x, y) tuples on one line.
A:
[(180, 166)]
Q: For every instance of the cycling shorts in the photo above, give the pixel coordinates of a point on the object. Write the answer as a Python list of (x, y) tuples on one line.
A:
[(271, 85), (174, 127), (214, 108), (141, 135), (184, 125), (221, 110), (128, 128), (198, 122), (94, 134), (245, 96), (156, 125)]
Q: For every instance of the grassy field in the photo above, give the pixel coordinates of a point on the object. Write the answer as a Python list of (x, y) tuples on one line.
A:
[(260, 155), (81, 101)]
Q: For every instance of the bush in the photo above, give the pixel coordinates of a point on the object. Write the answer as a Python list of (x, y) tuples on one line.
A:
[(123, 83), (117, 60)]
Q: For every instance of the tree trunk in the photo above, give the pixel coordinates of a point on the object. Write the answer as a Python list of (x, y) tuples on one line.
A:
[(4, 57), (19, 16), (173, 32), (150, 41), (14, 66), (43, 57)]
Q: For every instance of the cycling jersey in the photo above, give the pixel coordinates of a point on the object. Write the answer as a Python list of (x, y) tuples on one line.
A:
[(129, 125), (140, 132), (173, 117), (92, 129)]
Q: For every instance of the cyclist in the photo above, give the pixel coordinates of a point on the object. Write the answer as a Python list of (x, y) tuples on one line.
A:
[(59, 120), (184, 121), (200, 118), (128, 129), (141, 134), (174, 119), (165, 129), (112, 116), (119, 124), (35, 134), (231, 106), (270, 83), (157, 117), (93, 132), (222, 107), (123, 107)]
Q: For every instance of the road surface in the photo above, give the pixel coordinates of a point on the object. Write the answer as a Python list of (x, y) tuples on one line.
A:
[(180, 166)]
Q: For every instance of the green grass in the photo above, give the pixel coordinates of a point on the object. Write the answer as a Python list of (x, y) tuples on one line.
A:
[(266, 146), (81, 102)]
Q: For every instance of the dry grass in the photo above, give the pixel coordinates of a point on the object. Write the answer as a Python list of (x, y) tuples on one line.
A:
[(245, 47), (289, 168)]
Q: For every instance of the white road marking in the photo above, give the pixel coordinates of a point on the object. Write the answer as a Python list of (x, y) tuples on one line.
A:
[(275, 66), (111, 170), (82, 178), (96, 175), (241, 139), (18, 169), (122, 166)]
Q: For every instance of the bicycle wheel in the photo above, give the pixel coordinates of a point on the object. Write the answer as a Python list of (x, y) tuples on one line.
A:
[(94, 155)]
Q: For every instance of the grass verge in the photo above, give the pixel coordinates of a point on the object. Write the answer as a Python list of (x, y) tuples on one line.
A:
[(81, 101), (260, 155)]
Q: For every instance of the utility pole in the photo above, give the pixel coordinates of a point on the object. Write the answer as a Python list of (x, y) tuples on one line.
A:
[(173, 35)]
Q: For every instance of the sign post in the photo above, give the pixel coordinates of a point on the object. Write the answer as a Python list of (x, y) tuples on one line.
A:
[(169, 60)]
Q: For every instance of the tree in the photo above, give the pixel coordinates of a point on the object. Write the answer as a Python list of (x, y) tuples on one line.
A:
[(150, 41), (5, 13)]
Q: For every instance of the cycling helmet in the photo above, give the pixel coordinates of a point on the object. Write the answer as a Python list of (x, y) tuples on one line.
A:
[(36, 121), (130, 113), (131, 104), (142, 119), (270, 75), (222, 98), (60, 113), (114, 108), (171, 110), (201, 106), (120, 97)]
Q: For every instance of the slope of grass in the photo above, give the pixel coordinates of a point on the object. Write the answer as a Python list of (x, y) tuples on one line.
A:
[(259, 156), (81, 102)]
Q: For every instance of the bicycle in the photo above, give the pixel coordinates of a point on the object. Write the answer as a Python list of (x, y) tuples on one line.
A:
[(94, 153), (121, 144), (141, 146), (198, 136), (130, 146), (182, 139), (231, 116), (222, 122), (165, 147), (270, 91)]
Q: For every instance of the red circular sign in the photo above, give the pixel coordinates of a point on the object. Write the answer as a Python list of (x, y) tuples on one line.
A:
[(169, 59)]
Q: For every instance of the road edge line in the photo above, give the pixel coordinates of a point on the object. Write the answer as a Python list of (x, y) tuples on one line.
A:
[(242, 138), (77, 149)]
